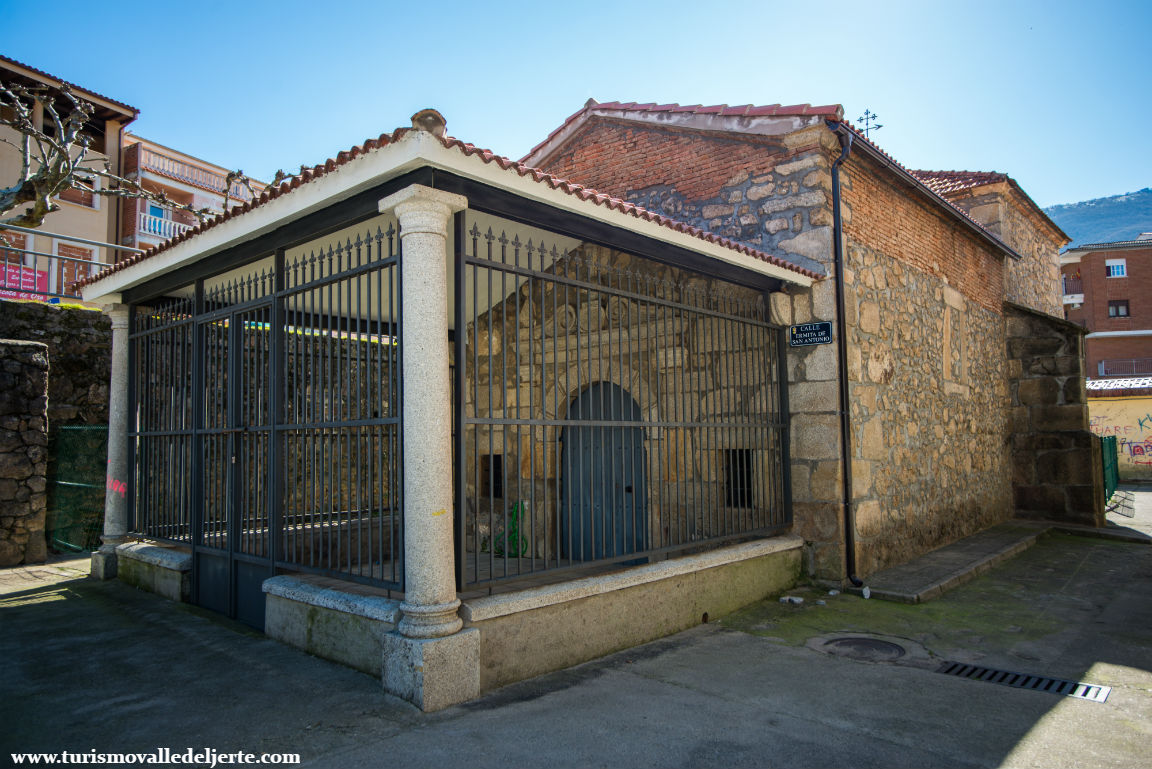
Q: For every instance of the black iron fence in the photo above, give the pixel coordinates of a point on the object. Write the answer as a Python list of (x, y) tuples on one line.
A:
[(607, 409), (613, 408), (267, 413)]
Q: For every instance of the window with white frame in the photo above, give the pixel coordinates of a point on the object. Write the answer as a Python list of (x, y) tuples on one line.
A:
[(86, 194), (1115, 268)]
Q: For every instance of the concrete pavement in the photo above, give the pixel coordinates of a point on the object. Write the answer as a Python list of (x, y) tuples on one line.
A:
[(88, 665)]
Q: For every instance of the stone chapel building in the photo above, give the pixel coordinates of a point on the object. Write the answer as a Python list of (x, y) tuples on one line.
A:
[(943, 276), (457, 420)]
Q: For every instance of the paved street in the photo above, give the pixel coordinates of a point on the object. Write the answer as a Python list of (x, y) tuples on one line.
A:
[(90, 665)]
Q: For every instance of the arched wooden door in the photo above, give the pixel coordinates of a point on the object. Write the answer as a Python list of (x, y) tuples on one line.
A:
[(603, 497)]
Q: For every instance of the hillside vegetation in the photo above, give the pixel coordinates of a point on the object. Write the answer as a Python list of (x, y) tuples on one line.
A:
[(1119, 217)]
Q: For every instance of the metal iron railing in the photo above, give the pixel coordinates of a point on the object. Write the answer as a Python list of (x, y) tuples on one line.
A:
[(1125, 367), (29, 274), (614, 409), (268, 419), (1073, 285)]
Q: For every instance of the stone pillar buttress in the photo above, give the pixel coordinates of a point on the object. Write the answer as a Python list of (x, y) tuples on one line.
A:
[(116, 490), (427, 660)]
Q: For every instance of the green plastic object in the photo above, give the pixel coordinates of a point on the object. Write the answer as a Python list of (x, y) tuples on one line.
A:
[(1108, 452), (76, 470)]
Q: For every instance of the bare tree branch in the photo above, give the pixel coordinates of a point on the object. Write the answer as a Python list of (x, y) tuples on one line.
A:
[(54, 157)]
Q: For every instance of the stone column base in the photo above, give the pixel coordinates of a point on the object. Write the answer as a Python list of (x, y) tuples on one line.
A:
[(433, 673), (104, 564)]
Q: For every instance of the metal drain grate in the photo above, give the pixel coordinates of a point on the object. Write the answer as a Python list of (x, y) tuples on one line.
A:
[(1060, 686)]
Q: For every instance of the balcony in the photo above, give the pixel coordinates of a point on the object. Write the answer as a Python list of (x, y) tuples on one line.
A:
[(1125, 367), (1073, 290), (174, 168), (159, 227)]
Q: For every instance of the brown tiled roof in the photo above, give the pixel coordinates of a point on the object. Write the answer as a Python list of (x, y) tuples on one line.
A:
[(932, 193), (946, 182), (576, 190), (72, 85), (827, 111)]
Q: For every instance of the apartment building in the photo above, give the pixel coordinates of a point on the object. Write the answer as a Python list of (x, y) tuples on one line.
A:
[(182, 178), (1107, 288), (38, 265)]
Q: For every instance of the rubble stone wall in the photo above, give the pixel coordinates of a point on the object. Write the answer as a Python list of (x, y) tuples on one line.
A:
[(23, 451), (80, 343)]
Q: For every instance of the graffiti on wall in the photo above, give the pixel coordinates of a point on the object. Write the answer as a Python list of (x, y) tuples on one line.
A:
[(1130, 420)]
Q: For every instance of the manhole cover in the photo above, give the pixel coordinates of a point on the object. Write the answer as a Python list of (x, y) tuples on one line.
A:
[(866, 649)]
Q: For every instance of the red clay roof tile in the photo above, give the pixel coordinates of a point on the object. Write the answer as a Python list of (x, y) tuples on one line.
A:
[(577, 190), (945, 182)]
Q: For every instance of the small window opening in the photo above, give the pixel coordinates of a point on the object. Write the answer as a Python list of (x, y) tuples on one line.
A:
[(738, 478), (1115, 268), (492, 476), (1118, 308)]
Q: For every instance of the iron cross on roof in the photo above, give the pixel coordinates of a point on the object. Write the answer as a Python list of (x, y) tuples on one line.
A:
[(869, 121)]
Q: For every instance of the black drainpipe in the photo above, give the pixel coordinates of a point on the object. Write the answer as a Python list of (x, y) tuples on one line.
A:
[(842, 356)]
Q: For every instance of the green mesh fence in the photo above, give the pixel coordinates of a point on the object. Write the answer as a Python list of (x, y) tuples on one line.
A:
[(1111, 465), (75, 516)]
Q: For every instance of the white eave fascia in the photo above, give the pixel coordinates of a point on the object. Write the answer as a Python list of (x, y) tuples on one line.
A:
[(1105, 334), (1070, 257), (412, 151), (474, 167)]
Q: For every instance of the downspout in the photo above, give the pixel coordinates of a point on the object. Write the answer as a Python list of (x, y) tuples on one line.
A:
[(845, 138)]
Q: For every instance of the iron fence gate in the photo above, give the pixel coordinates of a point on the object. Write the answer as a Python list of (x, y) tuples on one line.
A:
[(267, 421), (613, 408)]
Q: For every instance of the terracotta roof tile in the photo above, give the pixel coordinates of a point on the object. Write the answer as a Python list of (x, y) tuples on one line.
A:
[(73, 85), (946, 182), (571, 188), (860, 137)]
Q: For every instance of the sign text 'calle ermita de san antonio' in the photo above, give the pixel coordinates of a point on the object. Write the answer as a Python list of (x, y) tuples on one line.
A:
[(810, 333)]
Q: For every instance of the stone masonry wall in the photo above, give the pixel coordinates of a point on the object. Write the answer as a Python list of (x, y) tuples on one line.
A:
[(927, 369), (23, 451), (1057, 470), (80, 343)]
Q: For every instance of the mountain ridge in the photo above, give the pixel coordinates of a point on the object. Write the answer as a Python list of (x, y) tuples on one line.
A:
[(1105, 220)]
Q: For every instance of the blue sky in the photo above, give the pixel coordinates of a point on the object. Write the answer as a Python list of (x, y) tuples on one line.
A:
[(1056, 94)]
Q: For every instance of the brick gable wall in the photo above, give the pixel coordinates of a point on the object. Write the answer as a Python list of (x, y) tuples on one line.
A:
[(1033, 280), (619, 158), (771, 193), (891, 218)]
